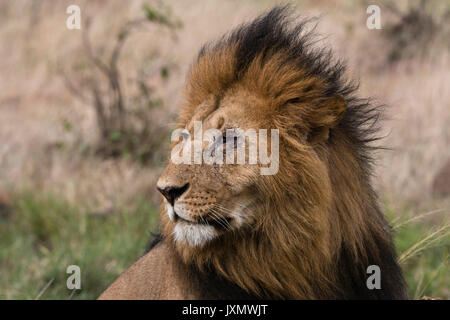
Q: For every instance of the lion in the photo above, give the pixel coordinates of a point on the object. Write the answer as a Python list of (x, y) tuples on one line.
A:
[(311, 230)]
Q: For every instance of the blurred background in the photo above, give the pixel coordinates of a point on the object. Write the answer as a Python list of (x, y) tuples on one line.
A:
[(86, 116)]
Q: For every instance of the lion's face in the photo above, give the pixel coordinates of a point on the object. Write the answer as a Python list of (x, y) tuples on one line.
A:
[(204, 201)]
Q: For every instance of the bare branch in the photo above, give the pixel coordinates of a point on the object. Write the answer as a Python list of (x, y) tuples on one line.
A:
[(123, 35), (89, 52)]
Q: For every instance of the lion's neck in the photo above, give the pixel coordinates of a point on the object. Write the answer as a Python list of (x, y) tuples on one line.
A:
[(274, 262)]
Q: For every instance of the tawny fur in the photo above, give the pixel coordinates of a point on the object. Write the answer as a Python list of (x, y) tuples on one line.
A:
[(315, 226)]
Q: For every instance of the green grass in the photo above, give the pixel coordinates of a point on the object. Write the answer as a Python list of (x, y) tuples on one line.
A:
[(423, 245), (43, 235)]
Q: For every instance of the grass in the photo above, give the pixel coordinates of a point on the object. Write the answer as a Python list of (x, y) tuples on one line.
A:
[(43, 235), (423, 246)]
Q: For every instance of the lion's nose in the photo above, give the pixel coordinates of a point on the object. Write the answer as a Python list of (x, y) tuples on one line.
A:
[(171, 193)]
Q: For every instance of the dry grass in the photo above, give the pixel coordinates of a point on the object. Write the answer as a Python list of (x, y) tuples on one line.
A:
[(35, 105)]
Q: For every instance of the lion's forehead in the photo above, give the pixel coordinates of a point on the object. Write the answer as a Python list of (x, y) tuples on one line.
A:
[(237, 108)]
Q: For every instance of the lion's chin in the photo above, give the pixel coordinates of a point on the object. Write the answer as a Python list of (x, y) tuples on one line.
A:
[(194, 235)]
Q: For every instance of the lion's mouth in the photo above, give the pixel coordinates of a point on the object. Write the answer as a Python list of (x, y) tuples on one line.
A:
[(222, 223)]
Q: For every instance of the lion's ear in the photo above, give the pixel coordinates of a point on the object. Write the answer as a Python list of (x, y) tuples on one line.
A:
[(324, 117)]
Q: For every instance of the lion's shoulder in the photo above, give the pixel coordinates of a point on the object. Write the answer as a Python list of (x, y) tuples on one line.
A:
[(161, 275)]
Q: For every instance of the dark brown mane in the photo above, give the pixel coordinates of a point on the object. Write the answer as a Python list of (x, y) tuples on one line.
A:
[(276, 31)]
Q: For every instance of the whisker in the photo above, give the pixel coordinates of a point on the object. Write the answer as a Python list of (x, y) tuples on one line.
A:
[(221, 217), (226, 210), (223, 211), (217, 219), (223, 208), (204, 220), (241, 206)]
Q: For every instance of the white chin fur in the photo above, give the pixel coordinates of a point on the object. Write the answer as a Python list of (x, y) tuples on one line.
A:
[(194, 235)]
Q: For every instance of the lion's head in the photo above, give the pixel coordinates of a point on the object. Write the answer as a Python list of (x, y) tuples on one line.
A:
[(283, 234)]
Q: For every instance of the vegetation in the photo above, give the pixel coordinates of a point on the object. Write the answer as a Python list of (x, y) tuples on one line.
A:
[(424, 249), (43, 235), (93, 172), (126, 121), (412, 29)]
